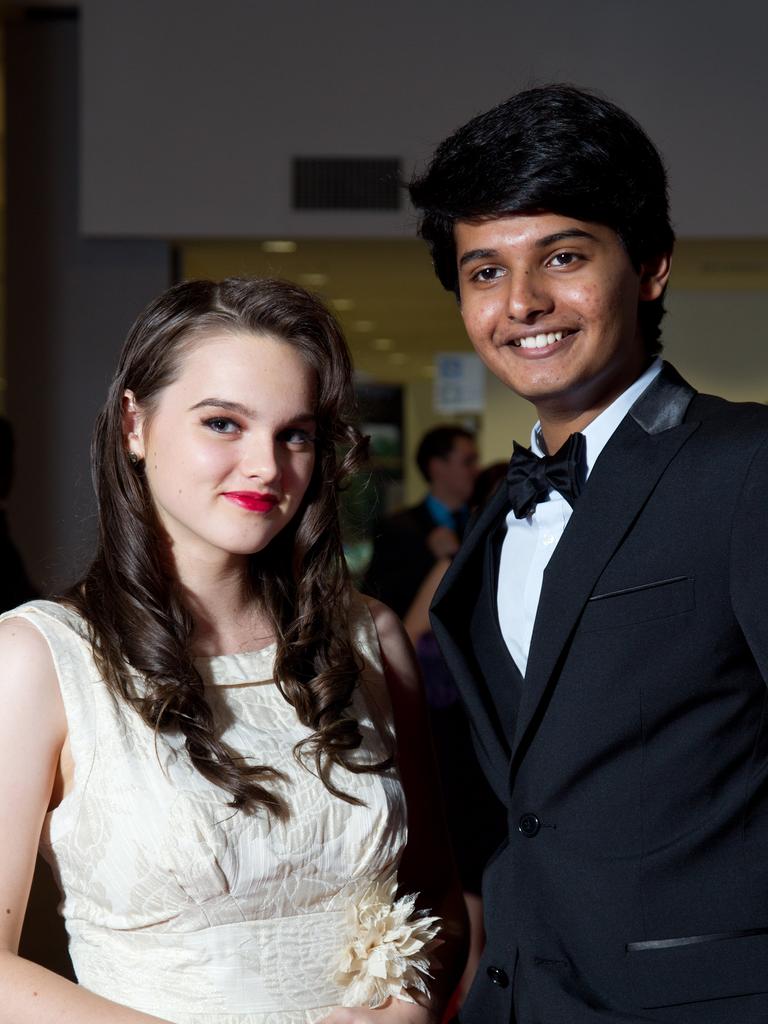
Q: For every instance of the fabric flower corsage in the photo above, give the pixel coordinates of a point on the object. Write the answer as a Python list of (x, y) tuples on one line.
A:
[(389, 949)]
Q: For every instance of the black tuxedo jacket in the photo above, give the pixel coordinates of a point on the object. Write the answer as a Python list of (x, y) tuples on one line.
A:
[(633, 756)]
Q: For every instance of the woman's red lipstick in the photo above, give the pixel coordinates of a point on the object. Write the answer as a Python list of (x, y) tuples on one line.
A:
[(253, 501)]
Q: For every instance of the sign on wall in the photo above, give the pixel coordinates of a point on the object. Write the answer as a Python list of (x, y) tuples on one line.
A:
[(459, 383)]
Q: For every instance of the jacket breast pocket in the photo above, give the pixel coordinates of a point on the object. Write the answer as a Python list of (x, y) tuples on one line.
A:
[(659, 599)]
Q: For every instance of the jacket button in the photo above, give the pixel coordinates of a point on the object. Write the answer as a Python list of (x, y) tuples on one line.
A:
[(498, 976), (529, 825)]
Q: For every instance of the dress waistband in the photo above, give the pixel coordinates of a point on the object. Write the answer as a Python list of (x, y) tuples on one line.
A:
[(261, 966)]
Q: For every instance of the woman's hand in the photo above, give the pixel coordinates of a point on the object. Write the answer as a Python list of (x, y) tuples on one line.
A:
[(394, 1011)]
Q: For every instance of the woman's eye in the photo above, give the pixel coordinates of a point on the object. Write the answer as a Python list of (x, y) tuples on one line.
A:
[(296, 438), (221, 425)]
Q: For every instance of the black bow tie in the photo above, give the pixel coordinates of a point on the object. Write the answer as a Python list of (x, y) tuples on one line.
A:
[(530, 478)]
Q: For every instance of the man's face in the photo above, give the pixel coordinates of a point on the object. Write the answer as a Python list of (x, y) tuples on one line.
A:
[(455, 473), (550, 304)]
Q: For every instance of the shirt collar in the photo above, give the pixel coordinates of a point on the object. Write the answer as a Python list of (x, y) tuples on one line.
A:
[(599, 432)]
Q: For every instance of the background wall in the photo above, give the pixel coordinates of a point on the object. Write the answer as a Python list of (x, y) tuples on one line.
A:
[(192, 110), (70, 301)]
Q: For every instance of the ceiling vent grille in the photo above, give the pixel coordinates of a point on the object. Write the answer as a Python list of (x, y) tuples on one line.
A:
[(346, 183)]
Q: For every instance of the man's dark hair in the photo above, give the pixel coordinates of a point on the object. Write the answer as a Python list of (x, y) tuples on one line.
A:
[(6, 457), (553, 149), (438, 443)]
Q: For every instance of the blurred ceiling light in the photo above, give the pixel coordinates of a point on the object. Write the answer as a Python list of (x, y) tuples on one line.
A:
[(398, 358), (363, 326), (313, 280), (342, 305), (276, 245), (383, 344)]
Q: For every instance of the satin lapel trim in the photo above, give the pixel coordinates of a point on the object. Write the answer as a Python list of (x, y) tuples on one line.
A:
[(636, 456)]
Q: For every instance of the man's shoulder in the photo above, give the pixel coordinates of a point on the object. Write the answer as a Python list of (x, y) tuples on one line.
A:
[(730, 442), (715, 406), (740, 422)]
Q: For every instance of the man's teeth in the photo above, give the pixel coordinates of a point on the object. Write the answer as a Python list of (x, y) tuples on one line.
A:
[(540, 340)]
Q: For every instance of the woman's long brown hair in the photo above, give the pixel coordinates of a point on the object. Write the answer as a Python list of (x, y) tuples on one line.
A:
[(139, 627)]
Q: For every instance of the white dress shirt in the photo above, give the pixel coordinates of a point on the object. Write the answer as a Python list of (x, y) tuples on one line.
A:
[(529, 543)]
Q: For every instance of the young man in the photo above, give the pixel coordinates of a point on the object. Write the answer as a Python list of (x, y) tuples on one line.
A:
[(607, 615), (409, 543)]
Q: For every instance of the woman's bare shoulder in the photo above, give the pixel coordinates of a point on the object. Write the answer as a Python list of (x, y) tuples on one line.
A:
[(25, 656)]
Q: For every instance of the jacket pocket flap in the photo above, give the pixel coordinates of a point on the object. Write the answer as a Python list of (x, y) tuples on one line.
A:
[(716, 969)]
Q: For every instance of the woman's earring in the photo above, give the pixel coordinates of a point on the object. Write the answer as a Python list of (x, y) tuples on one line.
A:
[(133, 457)]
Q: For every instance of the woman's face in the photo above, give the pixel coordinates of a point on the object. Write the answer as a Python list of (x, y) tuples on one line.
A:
[(229, 447)]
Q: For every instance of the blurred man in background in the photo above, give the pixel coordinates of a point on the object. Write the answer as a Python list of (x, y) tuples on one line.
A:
[(409, 543)]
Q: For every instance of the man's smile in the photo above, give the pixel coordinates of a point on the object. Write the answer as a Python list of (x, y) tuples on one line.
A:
[(541, 340)]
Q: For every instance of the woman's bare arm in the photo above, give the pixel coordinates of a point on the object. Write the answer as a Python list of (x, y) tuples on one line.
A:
[(33, 729)]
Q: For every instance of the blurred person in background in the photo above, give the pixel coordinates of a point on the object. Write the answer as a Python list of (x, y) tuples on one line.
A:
[(416, 620), (407, 544), (476, 820), (15, 586), (215, 741)]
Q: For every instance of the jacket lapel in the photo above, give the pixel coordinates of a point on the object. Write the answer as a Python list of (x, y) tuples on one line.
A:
[(618, 487)]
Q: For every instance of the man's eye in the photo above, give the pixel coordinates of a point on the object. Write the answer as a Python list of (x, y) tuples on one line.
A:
[(487, 274), (564, 259), (221, 425)]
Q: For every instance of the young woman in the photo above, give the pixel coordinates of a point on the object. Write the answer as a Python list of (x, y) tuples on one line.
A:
[(212, 737)]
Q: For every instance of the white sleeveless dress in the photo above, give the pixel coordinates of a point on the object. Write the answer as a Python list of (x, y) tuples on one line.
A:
[(177, 905)]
